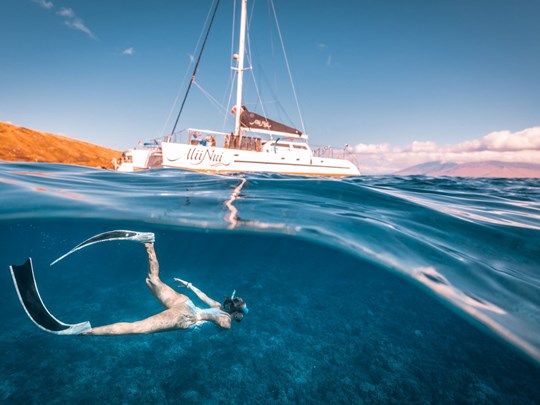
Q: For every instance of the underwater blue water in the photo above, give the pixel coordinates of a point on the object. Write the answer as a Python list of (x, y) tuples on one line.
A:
[(361, 290)]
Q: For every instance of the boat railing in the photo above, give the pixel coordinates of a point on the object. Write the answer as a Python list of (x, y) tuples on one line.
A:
[(150, 144), (225, 140)]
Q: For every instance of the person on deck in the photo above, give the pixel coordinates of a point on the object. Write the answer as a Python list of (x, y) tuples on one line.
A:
[(180, 312)]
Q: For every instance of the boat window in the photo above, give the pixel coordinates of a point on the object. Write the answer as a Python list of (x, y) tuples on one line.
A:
[(303, 147)]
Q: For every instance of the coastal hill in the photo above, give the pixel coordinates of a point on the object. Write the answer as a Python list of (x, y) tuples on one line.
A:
[(475, 169), (20, 144)]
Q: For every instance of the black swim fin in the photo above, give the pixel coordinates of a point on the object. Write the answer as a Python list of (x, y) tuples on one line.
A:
[(143, 237), (25, 284)]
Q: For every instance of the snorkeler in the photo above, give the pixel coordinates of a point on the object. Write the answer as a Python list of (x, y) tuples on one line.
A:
[(179, 313)]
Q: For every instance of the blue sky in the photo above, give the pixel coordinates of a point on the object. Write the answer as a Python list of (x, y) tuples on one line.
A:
[(384, 75)]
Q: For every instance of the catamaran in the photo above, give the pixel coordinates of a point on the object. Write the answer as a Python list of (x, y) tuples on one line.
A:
[(257, 144)]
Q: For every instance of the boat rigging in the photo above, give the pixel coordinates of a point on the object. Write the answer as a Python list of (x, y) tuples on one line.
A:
[(257, 143)]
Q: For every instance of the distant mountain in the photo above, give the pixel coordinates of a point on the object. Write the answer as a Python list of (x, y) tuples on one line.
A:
[(475, 169), (26, 145)]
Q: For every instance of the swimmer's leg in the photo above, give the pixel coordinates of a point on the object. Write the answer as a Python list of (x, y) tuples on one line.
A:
[(163, 293), (162, 322)]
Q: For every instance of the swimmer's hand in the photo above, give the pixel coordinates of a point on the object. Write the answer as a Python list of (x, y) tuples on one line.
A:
[(182, 283)]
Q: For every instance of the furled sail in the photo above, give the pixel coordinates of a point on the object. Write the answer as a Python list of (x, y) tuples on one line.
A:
[(251, 120)]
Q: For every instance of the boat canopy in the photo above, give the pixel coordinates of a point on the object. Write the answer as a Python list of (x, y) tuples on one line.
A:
[(253, 121)]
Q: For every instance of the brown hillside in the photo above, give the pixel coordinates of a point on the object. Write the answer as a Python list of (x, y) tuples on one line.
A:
[(26, 145)]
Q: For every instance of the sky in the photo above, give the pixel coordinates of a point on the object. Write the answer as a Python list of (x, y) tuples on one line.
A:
[(401, 82)]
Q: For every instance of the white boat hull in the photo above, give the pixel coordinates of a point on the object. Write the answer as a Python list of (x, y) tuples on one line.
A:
[(140, 159), (223, 160)]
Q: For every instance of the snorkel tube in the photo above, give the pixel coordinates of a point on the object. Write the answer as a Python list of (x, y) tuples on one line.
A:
[(235, 306), (245, 309)]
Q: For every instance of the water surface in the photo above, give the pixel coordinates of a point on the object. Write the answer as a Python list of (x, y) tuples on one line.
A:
[(361, 290)]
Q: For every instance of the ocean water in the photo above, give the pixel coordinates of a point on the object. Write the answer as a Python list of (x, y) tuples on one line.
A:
[(361, 290)]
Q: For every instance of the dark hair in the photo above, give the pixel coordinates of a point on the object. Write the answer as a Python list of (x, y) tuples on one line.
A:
[(235, 307)]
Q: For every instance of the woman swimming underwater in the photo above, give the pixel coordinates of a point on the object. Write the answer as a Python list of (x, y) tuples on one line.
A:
[(180, 312)]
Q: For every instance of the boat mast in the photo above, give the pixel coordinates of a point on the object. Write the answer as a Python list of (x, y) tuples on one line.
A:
[(240, 66)]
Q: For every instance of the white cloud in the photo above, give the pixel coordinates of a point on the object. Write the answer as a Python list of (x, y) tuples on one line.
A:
[(44, 3), (325, 51), (372, 148), (521, 146), (422, 146), (78, 24), (128, 51), (69, 16), (74, 22), (508, 141), (66, 12)]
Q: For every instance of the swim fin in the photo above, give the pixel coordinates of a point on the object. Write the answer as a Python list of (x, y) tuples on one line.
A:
[(25, 284), (143, 237)]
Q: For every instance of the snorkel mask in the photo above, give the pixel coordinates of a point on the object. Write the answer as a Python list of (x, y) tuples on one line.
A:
[(236, 307)]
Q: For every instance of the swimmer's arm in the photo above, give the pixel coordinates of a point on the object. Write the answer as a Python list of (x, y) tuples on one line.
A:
[(202, 296), (153, 265)]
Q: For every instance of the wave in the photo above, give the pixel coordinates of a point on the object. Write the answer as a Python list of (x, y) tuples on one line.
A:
[(472, 243)]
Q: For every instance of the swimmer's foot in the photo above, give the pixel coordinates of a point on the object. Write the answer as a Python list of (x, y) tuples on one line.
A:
[(143, 237)]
